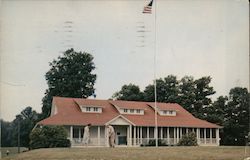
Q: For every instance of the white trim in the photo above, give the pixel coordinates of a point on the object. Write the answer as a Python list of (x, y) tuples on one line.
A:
[(117, 108), (120, 116), (53, 110)]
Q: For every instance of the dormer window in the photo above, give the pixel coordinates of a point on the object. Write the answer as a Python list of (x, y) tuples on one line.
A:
[(131, 111), (167, 112), (91, 109)]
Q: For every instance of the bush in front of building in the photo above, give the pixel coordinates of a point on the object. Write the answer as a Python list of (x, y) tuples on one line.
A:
[(152, 143), (188, 140), (49, 137)]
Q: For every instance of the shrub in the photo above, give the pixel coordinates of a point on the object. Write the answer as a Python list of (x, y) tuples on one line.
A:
[(188, 140), (152, 143), (49, 137)]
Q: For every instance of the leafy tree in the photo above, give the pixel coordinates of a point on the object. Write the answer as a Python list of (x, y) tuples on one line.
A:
[(202, 99), (167, 90), (129, 92), (216, 112), (236, 117), (187, 93), (6, 131), (49, 137), (26, 121), (69, 76)]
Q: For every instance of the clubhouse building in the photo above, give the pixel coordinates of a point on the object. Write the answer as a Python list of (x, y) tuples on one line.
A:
[(134, 122)]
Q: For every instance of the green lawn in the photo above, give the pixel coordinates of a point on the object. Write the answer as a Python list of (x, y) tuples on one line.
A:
[(140, 153)]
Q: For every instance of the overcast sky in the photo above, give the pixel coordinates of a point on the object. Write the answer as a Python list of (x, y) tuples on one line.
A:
[(193, 37)]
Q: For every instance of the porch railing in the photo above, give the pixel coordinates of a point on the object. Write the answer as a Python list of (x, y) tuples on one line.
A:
[(92, 142), (140, 141)]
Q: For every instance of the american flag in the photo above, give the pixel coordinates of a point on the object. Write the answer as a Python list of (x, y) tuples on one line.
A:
[(148, 8)]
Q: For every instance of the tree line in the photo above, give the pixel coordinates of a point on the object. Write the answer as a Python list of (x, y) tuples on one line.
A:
[(71, 75), (231, 111)]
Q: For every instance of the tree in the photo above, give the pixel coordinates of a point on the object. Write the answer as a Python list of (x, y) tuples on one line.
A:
[(216, 112), (69, 76), (49, 137), (6, 131), (236, 117), (187, 93), (167, 90), (202, 100), (26, 121), (129, 92)]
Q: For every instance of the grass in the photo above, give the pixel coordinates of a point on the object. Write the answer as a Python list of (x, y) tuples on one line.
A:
[(12, 150), (140, 153)]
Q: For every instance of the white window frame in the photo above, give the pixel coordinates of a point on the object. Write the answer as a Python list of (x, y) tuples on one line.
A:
[(138, 111)]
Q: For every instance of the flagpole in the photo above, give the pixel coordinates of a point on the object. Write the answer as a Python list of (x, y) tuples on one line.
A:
[(155, 92)]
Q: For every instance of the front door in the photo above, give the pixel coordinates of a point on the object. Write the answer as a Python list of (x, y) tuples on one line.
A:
[(121, 135)]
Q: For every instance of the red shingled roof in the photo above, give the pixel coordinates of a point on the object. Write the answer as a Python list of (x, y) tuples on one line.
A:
[(69, 113)]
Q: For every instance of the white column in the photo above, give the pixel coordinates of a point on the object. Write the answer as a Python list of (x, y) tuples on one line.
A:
[(198, 135), (127, 135), (178, 134), (181, 132), (71, 134), (134, 135), (186, 130), (98, 136), (193, 130), (161, 133), (147, 134), (79, 134), (205, 136), (130, 135), (211, 141), (106, 137), (138, 135), (217, 137), (168, 135)]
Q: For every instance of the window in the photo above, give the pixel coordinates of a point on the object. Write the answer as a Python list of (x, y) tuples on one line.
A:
[(125, 110), (138, 111), (88, 109), (95, 109), (170, 112), (165, 112), (132, 110)]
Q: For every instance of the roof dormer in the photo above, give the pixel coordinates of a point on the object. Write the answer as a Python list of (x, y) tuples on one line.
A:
[(164, 109), (167, 112), (91, 109), (131, 111), (130, 108)]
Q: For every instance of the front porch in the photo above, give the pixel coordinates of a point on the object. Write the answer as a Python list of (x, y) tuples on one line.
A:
[(129, 135)]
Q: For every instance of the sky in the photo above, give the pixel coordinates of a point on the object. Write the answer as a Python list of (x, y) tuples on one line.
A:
[(187, 37)]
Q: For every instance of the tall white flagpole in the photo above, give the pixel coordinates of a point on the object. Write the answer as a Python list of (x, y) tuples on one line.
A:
[(155, 93)]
